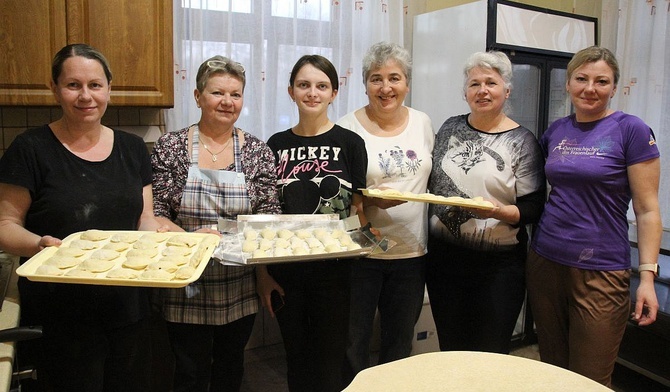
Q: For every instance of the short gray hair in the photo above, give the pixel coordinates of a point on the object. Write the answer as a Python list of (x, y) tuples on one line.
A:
[(380, 53), (219, 65), (494, 60)]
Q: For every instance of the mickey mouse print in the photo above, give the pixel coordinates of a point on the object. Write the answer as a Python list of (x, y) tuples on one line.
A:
[(318, 174)]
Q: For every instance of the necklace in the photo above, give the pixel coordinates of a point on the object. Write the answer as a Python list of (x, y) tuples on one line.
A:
[(214, 154)]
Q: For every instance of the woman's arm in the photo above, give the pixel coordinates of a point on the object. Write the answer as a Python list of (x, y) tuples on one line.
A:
[(14, 238), (148, 221), (261, 176), (644, 178)]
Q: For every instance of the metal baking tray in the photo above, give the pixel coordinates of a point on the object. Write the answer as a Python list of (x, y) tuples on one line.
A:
[(208, 242), (230, 249)]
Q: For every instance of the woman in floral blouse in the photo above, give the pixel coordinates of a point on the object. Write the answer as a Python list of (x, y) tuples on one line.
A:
[(204, 172)]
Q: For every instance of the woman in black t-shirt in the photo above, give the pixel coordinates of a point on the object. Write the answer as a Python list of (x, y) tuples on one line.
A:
[(72, 175)]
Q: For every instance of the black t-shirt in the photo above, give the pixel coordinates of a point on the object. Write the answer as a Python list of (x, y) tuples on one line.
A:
[(319, 174), (70, 194)]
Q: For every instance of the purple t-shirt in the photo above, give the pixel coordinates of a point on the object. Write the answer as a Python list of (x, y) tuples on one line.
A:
[(584, 224)]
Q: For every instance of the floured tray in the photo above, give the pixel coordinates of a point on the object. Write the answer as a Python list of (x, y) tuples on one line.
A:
[(123, 258), (392, 194), (267, 239)]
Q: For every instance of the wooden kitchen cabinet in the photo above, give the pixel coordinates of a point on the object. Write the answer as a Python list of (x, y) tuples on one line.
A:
[(134, 35)]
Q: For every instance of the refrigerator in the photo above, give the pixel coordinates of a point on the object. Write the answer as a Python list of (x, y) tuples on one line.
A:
[(539, 42)]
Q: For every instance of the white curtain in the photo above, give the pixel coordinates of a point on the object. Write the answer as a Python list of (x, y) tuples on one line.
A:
[(643, 51), (267, 37)]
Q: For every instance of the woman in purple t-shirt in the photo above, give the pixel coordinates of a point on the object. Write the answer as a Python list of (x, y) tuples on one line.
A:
[(578, 271)]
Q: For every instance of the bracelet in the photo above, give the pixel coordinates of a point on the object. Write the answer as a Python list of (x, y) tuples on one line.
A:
[(653, 267)]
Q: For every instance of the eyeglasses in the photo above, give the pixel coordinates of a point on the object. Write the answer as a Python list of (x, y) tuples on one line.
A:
[(234, 65)]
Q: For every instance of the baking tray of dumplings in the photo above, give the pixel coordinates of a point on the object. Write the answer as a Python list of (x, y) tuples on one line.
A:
[(123, 258), (269, 239), (477, 202)]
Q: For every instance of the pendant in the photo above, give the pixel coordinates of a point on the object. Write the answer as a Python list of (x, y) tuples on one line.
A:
[(214, 158)]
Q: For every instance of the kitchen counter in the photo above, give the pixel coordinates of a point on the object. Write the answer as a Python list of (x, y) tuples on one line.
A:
[(9, 318)]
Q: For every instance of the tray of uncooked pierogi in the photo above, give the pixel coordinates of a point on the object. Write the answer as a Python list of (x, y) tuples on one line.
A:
[(123, 258), (392, 194), (266, 239)]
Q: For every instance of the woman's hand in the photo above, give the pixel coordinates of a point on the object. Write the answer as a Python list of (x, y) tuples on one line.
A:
[(383, 203), (504, 213), (48, 240), (265, 285), (646, 303), (208, 230), (482, 213)]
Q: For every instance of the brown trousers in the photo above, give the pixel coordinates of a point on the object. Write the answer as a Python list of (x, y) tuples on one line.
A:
[(580, 315)]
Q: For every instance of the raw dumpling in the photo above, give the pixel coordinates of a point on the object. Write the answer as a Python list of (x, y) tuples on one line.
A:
[(70, 252), (117, 246), (184, 273), (259, 253), (179, 260), (137, 262), (96, 265), (128, 238), (268, 234), (285, 233), (122, 273), (337, 233), (282, 252), (176, 251), (143, 243), (84, 244), (49, 270), (80, 273), (94, 235), (300, 251), (183, 240), (303, 233), (282, 243), (163, 265), (265, 244), (320, 233), (332, 248), (249, 246), (156, 237), (250, 234), (150, 252), (105, 254), (63, 262), (156, 274), (345, 240), (314, 243)]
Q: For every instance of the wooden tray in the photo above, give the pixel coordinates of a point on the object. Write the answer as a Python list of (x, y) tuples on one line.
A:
[(206, 243), (429, 198)]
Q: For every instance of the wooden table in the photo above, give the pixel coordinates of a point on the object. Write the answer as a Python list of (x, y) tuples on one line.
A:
[(470, 371)]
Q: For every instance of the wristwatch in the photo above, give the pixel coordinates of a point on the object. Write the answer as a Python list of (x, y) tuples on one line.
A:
[(650, 267)]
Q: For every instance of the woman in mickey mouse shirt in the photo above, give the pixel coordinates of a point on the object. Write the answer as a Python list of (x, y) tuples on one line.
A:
[(320, 167)]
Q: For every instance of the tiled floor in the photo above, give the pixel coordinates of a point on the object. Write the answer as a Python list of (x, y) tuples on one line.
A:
[(265, 371)]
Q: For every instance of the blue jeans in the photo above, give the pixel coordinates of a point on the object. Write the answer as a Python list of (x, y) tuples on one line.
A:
[(314, 322), (475, 296), (396, 288)]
